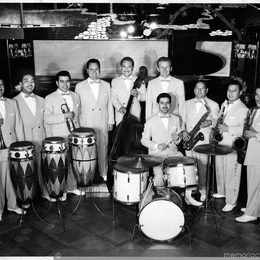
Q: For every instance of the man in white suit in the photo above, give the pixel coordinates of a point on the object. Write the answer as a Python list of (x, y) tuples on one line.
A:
[(31, 107), (55, 119), (252, 210), (194, 110), (122, 88), (165, 83), (11, 131), (97, 111), (228, 170), (161, 135)]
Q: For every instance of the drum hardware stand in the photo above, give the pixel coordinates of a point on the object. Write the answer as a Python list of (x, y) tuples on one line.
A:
[(21, 220)]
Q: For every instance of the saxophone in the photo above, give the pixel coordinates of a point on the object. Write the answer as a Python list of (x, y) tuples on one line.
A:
[(216, 136), (194, 137), (240, 143)]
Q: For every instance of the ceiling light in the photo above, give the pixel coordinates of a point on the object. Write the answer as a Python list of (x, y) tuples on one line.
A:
[(123, 34), (131, 29), (153, 25)]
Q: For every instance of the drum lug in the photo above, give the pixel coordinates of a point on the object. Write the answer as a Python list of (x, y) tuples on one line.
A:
[(170, 241), (152, 240)]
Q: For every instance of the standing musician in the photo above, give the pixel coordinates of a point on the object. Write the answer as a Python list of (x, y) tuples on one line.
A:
[(122, 87), (31, 107), (55, 121), (11, 130), (228, 170), (200, 112), (252, 133), (165, 83), (161, 136), (97, 111)]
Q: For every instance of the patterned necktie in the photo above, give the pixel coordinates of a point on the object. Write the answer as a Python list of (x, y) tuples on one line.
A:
[(30, 95)]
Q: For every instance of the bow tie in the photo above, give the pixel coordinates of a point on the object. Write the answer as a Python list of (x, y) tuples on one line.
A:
[(197, 101), (97, 81), (167, 116), (30, 95), (164, 80), (127, 78), (2, 99), (64, 94)]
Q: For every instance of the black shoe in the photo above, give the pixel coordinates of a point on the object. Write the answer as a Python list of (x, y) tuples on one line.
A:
[(98, 179)]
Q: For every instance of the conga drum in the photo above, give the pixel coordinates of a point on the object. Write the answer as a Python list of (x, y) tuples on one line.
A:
[(55, 165), (23, 170), (83, 152)]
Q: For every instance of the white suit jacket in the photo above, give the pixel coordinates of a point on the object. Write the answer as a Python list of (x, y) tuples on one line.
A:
[(155, 133), (120, 96), (33, 125), (253, 148), (54, 121), (96, 113), (191, 118), (234, 119), (175, 89)]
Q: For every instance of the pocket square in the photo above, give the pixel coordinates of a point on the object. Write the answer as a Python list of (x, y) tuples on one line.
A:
[(12, 114)]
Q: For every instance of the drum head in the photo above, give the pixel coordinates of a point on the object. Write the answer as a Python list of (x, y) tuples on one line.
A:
[(21, 145), (54, 139), (175, 160), (84, 130), (125, 169), (161, 220)]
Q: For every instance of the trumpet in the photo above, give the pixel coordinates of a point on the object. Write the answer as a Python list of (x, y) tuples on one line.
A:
[(69, 121), (2, 143)]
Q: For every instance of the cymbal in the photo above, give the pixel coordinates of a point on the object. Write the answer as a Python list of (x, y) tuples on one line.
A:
[(213, 149), (175, 160), (140, 161)]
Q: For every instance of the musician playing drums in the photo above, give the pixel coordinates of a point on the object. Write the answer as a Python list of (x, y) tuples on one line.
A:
[(161, 135), (55, 121), (11, 130), (252, 210), (200, 113)]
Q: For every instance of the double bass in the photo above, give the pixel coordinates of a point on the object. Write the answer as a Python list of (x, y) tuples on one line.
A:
[(127, 136)]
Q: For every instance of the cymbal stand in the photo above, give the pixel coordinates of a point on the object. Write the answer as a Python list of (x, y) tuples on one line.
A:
[(209, 206)]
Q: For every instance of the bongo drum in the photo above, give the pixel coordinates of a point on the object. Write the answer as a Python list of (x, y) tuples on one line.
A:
[(23, 170), (83, 152), (55, 165)]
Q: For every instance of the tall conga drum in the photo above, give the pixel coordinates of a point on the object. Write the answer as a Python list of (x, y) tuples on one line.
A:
[(23, 170), (55, 165), (83, 152)]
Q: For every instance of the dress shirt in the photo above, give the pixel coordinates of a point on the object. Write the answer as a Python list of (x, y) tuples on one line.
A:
[(31, 102), (165, 84), (198, 105), (228, 106), (67, 98), (128, 82), (2, 109), (94, 87)]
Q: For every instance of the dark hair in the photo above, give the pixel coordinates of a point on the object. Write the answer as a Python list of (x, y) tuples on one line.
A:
[(127, 59), (201, 81), (93, 61), (62, 73), (24, 74), (163, 95), (143, 71), (164, 59), (237, 83)]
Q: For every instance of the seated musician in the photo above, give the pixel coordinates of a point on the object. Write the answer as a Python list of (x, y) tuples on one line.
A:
[(55, 119), (195, 116), (252, 133), (161, 136), (11, 130)]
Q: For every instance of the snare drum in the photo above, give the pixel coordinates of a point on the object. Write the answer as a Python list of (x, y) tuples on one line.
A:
[(83, 152), (182, 173), (161, 217), (129, 184), (23, 170), (55, 165)]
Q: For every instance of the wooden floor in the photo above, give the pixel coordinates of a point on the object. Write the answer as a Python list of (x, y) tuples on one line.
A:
[(89, 233)]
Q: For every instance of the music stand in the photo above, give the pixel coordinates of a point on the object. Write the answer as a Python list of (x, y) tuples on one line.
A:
[(212, 150)]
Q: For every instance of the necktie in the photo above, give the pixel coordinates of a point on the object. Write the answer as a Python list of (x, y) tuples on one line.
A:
[(64, 94), (165, 80), (92, 81), (30, 95), (2, 99)]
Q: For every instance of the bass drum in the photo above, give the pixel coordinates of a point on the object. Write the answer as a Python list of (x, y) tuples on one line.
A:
[(162, 218)]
